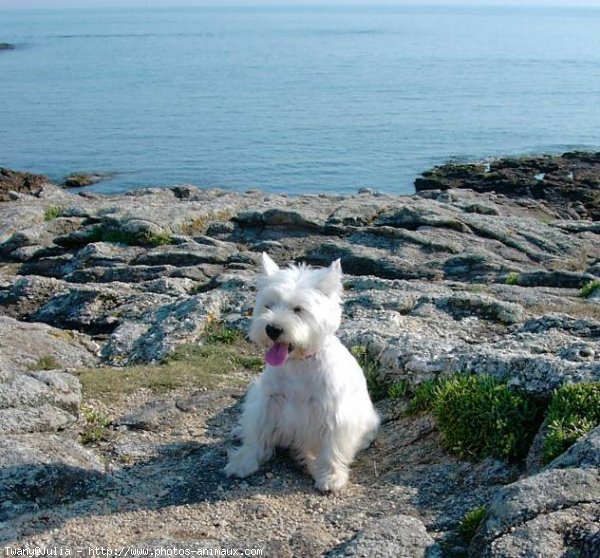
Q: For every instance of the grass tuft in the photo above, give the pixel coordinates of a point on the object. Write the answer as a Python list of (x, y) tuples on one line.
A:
[(573, 412), (480, 416), (95, 427), (471, 522), (512, 278), (372, 371), (52, 212), (424, 396), (216, 332), (589, 288), (46, 362), (399, 389)]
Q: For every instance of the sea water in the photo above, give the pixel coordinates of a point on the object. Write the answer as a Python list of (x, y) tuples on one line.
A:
[(302, 100)]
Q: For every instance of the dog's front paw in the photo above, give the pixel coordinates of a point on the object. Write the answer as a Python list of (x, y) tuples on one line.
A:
[(331, 481), (241, 464)]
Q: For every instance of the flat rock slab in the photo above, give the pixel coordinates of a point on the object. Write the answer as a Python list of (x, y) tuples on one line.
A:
[(399, 536), (42, 470)]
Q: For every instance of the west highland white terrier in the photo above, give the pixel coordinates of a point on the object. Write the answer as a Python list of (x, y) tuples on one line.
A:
[(312, 395)]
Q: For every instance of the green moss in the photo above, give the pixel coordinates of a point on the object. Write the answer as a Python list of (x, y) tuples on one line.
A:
[(512, 278), (471, 522), (589, 288), (372, 371), (573, 412), (46, 362), (52, 212)]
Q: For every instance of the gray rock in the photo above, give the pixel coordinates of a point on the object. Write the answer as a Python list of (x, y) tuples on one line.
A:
[(192, 253), (25, 295), (547, 514), (584, 453), (43, 470), (398, 536), (97, 309), (151, 416), (561, 279), (24, 344)]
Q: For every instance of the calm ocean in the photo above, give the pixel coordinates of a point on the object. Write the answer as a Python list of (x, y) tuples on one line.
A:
[(293, 100)]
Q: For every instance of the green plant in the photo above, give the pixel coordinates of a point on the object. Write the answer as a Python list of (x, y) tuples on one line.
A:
[(372, 371), (589, 288), (252, 363), (573, 412), (512, 278), (216, 332), (424, 396), (52, 212), (471, 522), (399, 389), (95, 427), (480, 416), (46, 362)]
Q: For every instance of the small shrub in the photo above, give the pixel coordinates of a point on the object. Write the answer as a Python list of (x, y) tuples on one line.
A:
[(46, 362), (372, 371), (424, 396), (480, 416), (573, 412), (589, 288), (52, 212), (398, 390), (471, 522)]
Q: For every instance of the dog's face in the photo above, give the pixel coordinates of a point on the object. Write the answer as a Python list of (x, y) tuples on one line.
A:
[(296, 309)]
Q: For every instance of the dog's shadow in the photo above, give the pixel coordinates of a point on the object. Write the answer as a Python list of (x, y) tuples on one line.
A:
[(177, 474)]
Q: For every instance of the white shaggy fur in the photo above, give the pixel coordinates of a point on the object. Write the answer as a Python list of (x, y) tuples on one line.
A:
[(316, 402)]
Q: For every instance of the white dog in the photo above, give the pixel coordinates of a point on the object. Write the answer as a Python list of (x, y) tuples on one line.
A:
[(312, 396)]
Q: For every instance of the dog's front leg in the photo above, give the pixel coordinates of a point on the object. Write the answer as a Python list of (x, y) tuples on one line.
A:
[(330, 468), (256, 434)]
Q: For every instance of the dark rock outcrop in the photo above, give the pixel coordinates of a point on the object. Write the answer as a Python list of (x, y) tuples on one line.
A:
[(569, 183), (13, 183)]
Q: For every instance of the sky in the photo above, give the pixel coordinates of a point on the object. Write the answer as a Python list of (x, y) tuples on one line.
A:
[(26, 4)]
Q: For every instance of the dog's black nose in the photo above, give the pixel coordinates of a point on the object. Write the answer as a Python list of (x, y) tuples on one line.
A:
[(273, 331)]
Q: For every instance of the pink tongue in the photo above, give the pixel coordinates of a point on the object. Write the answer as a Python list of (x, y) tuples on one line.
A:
[(277, 354)]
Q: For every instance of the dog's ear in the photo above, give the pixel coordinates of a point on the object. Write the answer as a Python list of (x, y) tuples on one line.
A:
[(330, 282), (269, 266)]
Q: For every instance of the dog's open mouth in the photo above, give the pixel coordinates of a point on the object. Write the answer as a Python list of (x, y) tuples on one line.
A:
[(278, 354)]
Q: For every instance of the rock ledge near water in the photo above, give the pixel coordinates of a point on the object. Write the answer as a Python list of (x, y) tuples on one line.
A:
[(479, 271)]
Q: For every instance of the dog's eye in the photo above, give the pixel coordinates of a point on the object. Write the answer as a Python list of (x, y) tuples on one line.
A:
[(267, 307), (298, 309)]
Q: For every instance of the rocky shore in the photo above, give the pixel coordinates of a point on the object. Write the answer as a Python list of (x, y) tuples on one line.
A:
[(480, 271)]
